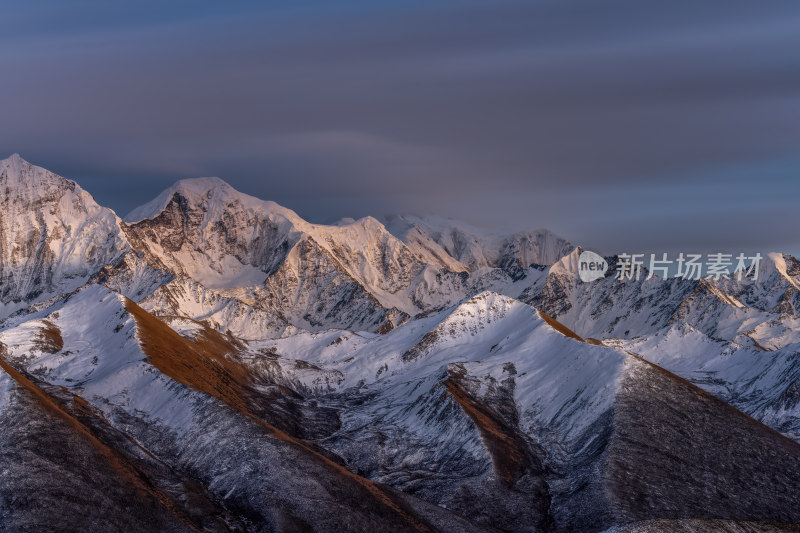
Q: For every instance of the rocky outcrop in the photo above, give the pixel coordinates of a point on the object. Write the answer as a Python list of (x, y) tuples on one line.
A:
[(53, 235)]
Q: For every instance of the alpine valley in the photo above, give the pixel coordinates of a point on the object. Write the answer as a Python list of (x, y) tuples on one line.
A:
[(213, 362)]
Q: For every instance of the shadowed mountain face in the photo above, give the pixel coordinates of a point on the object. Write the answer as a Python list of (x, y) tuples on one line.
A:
[(678, 452), (58, 478), (216, 363)]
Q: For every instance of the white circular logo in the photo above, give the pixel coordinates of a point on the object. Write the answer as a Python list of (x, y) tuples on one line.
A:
[(591, 266)]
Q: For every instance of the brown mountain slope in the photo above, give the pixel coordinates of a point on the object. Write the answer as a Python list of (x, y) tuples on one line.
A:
[(57, 476)]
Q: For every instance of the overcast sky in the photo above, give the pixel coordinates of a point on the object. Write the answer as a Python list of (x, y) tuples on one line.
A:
[(623, 125)]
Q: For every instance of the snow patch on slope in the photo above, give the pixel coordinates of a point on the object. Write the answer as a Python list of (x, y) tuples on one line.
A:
[(101, 358), (561, 383)]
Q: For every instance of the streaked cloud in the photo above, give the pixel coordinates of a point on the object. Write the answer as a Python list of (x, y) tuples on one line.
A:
[(509, 113)]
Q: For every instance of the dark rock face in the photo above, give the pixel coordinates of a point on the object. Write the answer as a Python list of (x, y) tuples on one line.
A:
[(705, 526), (521, 500), (320, 291), (503, 489), (576, 483), (678, 452), (668, 450), (55, 479)]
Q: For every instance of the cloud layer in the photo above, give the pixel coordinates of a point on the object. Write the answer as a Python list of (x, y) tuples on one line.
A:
[(624, 125)]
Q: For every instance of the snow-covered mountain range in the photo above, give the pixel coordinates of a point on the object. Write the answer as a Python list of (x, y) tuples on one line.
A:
[(213, 362)]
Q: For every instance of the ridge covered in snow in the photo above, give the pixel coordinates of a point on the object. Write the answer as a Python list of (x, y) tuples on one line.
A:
[(226, 365), (478, 248)]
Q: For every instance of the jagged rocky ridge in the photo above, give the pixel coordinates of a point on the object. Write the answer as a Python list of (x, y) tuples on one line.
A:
[(214, 362)]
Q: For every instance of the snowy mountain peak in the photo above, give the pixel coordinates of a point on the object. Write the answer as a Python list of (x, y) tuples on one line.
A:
[(18, 173), (209, 194), (476, 248), (488, 300), (13, 159), (478, 312), (787, 266), (568, 265), (199, 187), (53, 235)]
